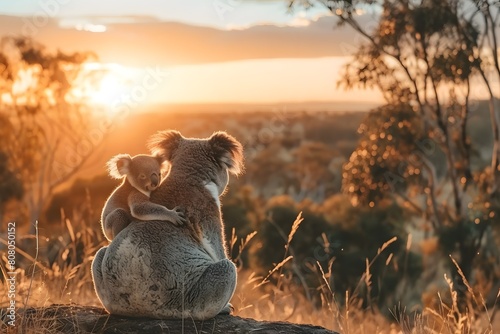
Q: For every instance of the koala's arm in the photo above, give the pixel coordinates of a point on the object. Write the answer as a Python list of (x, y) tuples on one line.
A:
[(141, 208)]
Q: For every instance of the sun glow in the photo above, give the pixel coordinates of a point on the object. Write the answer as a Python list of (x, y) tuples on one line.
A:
[(109, 90), (108, 84)]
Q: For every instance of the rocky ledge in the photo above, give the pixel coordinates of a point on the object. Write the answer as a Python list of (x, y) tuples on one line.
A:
[(87, 319)]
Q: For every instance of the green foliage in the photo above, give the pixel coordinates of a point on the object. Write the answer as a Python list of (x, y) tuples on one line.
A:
[(340, 235), (240, 213), (357, 236), (10, 186), (269, 247), (388, 156)]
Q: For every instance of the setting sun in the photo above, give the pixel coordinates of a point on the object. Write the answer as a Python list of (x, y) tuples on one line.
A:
[(110, 87), (108, 83)]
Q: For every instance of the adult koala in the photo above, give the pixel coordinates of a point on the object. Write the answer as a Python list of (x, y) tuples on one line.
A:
[(155, 269)]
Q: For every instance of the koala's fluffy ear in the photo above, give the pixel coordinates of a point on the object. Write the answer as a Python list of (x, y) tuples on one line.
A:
[(118, 166), (228, 151), (164, 143)]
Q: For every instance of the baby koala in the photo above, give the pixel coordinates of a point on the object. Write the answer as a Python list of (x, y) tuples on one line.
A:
[(141, 175)]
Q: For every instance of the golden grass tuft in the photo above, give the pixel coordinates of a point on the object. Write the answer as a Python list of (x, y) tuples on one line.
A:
[(68, 280)]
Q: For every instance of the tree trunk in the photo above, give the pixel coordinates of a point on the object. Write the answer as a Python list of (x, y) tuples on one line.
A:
[(88, 319)]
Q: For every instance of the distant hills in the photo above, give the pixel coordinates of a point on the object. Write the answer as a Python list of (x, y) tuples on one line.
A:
[(129, 134), (311, 106)]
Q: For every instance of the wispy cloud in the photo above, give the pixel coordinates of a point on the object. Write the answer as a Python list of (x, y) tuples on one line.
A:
[(140, 41)]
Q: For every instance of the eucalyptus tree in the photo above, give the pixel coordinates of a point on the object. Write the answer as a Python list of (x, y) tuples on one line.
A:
[(432, 60), (47, 125)]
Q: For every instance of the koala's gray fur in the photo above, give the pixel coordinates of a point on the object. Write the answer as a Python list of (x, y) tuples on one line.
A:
[(160, 270), (141, 174)]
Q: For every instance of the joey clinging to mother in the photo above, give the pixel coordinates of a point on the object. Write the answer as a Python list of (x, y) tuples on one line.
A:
[(141, 175)]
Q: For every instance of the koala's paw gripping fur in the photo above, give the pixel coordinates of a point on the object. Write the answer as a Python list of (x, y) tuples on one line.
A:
[(179, 216)]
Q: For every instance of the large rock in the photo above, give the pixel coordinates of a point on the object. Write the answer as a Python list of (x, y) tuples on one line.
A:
[(87, 319)]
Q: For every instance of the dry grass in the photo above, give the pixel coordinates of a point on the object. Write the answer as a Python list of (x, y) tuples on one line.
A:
[(68, 280)]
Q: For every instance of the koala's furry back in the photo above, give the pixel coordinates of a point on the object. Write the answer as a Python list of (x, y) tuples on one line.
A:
[(159, 268), (203, 217)]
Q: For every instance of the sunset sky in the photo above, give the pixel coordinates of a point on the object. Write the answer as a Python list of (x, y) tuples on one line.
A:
[(220, 51)]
